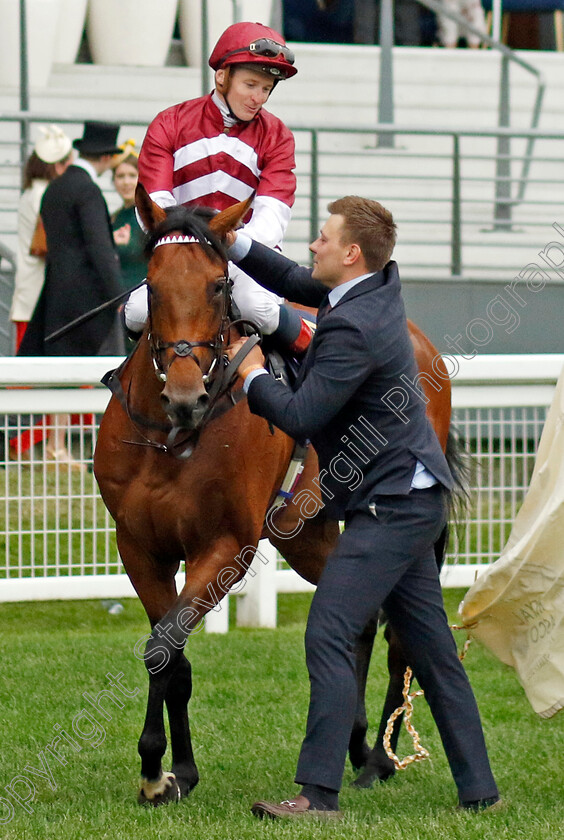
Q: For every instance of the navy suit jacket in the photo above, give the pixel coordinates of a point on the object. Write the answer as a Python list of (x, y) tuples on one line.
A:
[(367, 424)]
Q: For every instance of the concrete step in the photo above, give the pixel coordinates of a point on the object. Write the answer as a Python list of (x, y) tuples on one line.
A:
[(336, 84)]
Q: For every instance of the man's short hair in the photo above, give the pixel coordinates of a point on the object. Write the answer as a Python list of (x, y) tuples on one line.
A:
[(369, 225)]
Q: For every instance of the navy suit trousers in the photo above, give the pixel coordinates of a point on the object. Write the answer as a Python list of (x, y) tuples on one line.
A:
[(386, 559)]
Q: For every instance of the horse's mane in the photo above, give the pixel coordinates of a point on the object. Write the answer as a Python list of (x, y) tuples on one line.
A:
[(191, 222)]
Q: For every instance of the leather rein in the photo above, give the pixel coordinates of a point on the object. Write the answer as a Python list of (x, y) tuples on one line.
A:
[(218, 379)]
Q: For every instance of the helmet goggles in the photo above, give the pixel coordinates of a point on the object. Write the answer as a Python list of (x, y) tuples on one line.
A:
[(271, 49), (266, 48)]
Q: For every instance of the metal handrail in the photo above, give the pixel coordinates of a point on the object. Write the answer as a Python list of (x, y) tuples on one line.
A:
[(502, 134), (504, 201), (7, 254), (315, 154)]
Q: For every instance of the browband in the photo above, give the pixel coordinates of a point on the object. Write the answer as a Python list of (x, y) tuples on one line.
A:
[(179, 240)]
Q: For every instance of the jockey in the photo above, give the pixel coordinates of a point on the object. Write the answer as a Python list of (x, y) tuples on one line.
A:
[(217, 150)]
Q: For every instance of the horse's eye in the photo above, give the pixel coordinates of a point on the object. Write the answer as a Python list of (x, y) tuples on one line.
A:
[(219, 286)]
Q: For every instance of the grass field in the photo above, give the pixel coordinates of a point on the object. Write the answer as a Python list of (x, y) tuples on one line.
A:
[(248, 715)]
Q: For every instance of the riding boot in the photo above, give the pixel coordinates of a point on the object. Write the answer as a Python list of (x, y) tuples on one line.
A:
[(293, 332)]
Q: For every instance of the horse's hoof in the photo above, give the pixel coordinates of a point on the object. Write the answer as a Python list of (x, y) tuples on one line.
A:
[(369, 776), (162, 792), (185, 786), (359, 755)]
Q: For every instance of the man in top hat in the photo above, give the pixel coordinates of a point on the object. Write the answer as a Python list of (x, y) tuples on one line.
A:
[(82, 267)]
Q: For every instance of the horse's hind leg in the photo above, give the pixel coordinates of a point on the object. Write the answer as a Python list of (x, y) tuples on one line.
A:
[(378, 766), (306, 550), (359, 751)]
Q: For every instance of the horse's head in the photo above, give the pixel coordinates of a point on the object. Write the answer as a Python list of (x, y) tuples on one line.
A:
[(189, 297)]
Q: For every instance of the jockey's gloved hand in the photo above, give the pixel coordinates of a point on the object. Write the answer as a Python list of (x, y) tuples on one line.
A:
[(136, 310)]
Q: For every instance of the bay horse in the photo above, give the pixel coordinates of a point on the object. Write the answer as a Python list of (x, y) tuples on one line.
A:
[(189, 475)]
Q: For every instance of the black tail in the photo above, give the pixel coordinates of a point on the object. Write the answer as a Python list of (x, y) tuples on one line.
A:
[(459, 499)]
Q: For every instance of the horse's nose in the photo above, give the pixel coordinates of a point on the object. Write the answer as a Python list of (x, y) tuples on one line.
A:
[(200, 409), (185, 413)]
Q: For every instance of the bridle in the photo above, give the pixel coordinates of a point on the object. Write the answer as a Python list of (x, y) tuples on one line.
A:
[(185, 348), (218, 378)]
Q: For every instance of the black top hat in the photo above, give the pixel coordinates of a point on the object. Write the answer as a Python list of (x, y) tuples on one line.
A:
[(98, 138)]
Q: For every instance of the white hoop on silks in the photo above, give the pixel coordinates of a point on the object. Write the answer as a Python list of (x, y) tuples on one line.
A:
[(517, 604)]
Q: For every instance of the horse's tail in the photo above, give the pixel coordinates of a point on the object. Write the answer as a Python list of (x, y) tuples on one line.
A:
[(459, 498)]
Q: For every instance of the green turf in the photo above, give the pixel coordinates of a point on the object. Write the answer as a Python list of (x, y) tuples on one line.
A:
[(248, 713)]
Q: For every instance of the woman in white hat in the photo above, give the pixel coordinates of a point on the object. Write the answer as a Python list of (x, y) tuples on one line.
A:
[(50, 157)]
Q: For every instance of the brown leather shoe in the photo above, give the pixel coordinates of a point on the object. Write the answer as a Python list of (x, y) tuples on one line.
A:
[(493, 803), (292, 809)]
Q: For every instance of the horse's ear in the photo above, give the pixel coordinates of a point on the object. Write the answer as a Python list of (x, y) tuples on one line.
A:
[(151, 214), (230, 218)]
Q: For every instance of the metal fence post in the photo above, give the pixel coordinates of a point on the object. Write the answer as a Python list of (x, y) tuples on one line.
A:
[(314, 187), (456, 233), (205, 70), (502, 210), (24, 85), (386, 84)]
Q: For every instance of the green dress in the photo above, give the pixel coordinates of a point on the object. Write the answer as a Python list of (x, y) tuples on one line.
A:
[(133, 263)]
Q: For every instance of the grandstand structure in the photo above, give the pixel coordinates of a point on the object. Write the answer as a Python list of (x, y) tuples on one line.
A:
[(477, 205), (471, 164)]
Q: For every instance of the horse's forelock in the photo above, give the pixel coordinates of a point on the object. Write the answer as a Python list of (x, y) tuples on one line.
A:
[(191, 222)]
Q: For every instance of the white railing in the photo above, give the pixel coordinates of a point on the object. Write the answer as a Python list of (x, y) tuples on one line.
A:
[(56, 536)]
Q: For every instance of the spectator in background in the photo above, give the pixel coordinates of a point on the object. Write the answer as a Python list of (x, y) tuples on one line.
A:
[(82, 268), (51, 155), (128, 236), (407, 22), (320, 21), (450, 32)]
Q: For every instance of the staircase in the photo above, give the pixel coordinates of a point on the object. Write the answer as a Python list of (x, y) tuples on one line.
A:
[(336, 84)]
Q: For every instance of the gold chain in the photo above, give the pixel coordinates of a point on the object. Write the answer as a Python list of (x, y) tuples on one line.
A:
[(420, 753)]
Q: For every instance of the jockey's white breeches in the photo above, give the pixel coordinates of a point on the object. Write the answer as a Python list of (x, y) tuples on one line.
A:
[(254, 303)]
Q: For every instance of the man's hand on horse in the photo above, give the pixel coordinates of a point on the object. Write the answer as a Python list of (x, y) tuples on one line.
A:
[(230, 238), (253, 361)]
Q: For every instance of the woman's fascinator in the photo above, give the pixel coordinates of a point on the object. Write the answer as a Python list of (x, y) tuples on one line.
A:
[(52, 145)]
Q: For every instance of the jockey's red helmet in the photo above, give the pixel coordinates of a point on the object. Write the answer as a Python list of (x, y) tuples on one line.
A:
[(253, 43)]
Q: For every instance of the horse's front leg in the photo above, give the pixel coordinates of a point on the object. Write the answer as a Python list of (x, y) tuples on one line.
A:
[(209, 578), (169, 678), (178, 693), (163, 659)]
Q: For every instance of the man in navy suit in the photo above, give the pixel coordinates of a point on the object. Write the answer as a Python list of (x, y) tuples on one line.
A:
[(383, 472)]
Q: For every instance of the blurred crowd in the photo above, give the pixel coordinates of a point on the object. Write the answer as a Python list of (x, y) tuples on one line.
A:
[(72, 257), (358, 22)]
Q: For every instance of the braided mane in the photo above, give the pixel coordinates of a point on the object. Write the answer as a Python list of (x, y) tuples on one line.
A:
[(190, 222)]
